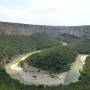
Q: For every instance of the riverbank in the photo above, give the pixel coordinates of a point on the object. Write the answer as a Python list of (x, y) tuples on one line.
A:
[(36, 76)]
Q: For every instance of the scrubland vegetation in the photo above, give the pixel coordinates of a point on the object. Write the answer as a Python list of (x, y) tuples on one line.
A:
[(14, 45), (6, 83), (82, 45), (57, 59)]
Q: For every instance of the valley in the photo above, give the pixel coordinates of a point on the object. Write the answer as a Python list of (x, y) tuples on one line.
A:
[(44, 57)]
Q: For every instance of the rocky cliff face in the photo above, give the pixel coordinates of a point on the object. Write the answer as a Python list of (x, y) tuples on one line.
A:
[(26, 29)]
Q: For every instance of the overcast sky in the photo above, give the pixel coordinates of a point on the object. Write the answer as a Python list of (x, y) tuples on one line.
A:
[(46, 12)]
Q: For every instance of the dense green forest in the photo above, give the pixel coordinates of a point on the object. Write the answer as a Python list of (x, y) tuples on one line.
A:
[(85, 77), (67, 38), (57, 59), (6, 83), (14, 45), (82, 45)]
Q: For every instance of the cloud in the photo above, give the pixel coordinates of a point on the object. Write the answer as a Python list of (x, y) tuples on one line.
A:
[(52, 12), (62, 5), (12, 12)]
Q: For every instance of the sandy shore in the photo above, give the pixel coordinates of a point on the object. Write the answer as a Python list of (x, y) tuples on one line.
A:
[(36, 76)]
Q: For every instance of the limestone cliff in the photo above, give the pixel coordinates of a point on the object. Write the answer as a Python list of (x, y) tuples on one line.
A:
[(26, 29)]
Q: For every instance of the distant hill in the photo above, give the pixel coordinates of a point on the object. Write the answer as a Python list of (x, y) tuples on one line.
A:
[(27, 30)]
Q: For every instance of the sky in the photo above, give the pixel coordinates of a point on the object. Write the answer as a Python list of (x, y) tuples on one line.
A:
[(46, 12)]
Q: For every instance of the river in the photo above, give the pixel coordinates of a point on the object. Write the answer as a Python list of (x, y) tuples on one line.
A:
[(16, 72)]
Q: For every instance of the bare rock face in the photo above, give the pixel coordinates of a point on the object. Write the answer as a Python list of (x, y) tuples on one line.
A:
[(27, 30)]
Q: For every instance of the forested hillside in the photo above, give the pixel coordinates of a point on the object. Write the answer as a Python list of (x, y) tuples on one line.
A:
[(82, 45), (14, 45), (58, 59), (68, 38)]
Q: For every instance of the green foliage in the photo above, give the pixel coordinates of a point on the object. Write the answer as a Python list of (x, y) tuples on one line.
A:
[(67, 38), (82, 45), (6, 83), (86, 72), (36, 41), (57, 59), (13, 45)]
